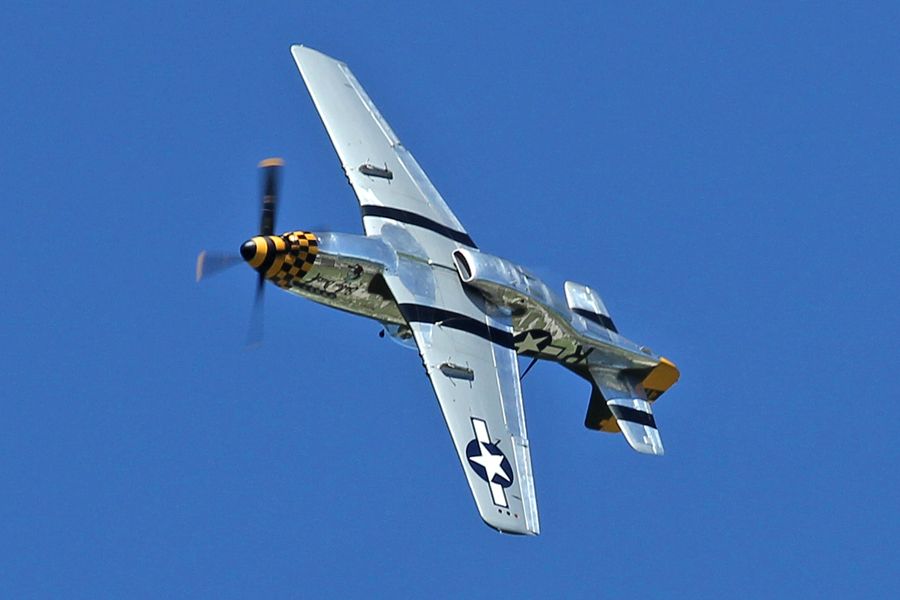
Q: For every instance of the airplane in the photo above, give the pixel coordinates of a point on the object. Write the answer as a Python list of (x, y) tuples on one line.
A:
[(469, 314)]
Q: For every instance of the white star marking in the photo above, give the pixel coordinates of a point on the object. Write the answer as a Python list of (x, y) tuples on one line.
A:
[(529, 344), (491, 463)]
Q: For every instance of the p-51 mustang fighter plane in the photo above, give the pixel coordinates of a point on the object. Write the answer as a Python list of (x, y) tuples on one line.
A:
[(470, 314)]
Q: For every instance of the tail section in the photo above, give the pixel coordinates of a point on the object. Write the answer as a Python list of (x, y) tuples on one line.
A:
[(626, 410), (599, 417), (620, 401), (662, 377), (635, 418)]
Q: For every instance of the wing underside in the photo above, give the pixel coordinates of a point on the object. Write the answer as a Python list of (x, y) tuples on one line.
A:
[(389, 184), (466, 345), (470, 358)]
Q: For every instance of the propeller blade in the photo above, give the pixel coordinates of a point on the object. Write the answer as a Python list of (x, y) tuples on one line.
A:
[(271, 172), (260, 288), (213, 263), (255, 333), (270, 169)]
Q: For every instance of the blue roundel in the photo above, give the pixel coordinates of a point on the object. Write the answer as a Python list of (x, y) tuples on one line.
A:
[(489, 463)]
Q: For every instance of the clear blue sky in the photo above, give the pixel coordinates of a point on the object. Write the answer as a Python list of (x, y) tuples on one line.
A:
[(726, 176)]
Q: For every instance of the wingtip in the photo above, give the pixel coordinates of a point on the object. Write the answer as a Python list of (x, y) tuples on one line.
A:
[(303, 53), (299, 48), (519, 526)]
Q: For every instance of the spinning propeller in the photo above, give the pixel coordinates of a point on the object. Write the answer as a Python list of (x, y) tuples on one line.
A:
[(256, 251)]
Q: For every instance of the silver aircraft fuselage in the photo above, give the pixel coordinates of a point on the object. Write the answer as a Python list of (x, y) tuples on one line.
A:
[(348, 275)]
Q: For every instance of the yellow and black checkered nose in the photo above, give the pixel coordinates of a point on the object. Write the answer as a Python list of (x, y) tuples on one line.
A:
[(283, 259)]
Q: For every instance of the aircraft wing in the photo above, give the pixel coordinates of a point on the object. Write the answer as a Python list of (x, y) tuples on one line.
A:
[(469, 355), (466, 346), (389, 184)]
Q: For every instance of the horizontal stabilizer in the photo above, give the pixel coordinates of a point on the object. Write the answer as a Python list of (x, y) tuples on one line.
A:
[(586, 302), (626, 400), (635, 418)]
